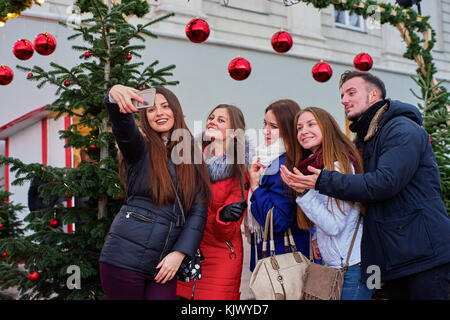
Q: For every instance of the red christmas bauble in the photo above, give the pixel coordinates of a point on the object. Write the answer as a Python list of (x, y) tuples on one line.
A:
[(6, 75), (33, 277), (87, 54), (239, 68), (23, 49), (322, 71), (1, 225), (363, 62), (44, 44), (67, 83), (92, 147), (282, 42), (54, 223), (129, 56), (5, 255), (197, 30), (29, 75)]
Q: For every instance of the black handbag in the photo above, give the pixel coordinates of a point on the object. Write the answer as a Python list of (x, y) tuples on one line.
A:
[(191, 268)]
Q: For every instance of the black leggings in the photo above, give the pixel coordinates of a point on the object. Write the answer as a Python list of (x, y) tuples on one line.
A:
[(122, 284)]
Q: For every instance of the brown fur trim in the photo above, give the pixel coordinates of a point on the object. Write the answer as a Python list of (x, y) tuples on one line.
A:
[(374, 123)]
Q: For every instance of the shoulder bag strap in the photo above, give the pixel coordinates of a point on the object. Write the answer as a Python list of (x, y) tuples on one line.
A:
[(179, 204), (266, 232), (352, 243)]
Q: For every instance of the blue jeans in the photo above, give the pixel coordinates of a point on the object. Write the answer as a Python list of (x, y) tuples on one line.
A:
[(353, 288)]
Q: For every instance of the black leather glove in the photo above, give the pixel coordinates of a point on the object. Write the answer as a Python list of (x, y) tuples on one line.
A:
[(233, 211)]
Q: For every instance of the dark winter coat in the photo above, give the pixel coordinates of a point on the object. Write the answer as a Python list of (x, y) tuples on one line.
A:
[(143, 233), (273, 192), (222, 244), (406, 228)]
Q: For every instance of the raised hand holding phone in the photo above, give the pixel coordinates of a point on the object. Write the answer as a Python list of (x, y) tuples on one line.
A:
[(124, 97)]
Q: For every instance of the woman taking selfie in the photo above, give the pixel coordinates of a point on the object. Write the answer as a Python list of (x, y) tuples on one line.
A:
[(164, 218)]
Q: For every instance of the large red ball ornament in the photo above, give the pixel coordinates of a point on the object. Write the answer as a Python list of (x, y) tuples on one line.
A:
[(282, 42), (33, 277), (54, 223), (363, 62), (239, 68), (44, 44), (1, 225), (6, 75), (197, 30), (322, 71), (23, 49)]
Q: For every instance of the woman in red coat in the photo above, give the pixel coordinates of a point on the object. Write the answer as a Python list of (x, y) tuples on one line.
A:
[(221, 244)]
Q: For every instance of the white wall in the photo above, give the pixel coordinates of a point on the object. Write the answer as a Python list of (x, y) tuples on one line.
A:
[(56, 152), (25, 145)]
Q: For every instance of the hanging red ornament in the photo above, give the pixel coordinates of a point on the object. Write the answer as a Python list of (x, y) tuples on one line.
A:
[(197, 30), (87, 54), (23, 49), (92, 147), (129, 56), (5, 255), (6, 75), (67, 83), (322, 71), (1, 225), (29, 75), (54, 223), (239, 68), (44, 44), (363, 62), (282, 41), (33, 277)]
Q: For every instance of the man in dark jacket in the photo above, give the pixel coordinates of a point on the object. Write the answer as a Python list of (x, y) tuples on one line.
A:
[(406, 227)]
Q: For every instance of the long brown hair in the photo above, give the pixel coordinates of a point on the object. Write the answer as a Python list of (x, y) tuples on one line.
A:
[(237, 122), (336, 146), (189, 174), (284, 111)]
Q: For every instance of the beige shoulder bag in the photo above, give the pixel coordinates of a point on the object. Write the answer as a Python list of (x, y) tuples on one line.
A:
[(278, 277)]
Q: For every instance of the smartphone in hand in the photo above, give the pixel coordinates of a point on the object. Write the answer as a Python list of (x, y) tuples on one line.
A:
[(148, 95)]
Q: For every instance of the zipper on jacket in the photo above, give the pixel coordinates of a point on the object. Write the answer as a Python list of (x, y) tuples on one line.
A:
[(167, 240), (231, 255), (139, 217)]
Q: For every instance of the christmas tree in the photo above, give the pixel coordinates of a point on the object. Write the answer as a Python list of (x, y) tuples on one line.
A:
[(10, 228), (52, 256)]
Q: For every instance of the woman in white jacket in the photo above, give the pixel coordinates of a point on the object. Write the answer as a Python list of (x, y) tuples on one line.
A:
[(323, 145)]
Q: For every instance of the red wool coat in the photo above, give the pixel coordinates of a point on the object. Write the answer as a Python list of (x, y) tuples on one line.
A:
[(222, 248)]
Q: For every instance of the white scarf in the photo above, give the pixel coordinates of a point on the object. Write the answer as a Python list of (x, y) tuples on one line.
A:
[(267, 155)]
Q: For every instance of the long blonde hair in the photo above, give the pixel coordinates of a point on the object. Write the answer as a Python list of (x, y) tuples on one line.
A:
[(336, 146)]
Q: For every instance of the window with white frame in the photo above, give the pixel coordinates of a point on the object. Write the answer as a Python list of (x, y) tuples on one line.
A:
[(344, 19)]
